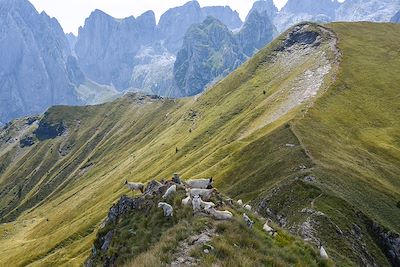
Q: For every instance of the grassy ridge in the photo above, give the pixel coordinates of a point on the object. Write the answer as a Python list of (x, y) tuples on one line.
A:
[(355, 137), (235, 132)]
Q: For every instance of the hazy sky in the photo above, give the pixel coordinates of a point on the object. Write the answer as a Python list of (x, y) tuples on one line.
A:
[(72, 13)]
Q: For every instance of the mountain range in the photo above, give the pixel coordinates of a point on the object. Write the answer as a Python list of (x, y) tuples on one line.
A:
[(306, 131), (111, 56)]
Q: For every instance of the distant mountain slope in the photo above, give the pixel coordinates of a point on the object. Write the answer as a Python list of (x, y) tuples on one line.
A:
[(175, 22), (36, 70), (211, 51), (396, 18), (367, 10), (307, 131), (106, 46)]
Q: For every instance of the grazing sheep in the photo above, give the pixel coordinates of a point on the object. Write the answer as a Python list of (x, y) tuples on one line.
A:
[(171, 190), (247, 207), (240, 202), (196, 203), (205, 205), (187, 201), (248, 221), (167, 208), (219, 215), (135, 186), (268, 228), (322, 253), (205, 194), (199, 183)]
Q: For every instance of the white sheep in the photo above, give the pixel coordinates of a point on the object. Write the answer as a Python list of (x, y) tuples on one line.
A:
[(220, 215), (167, 208), (205, 205), (323, 254), (247, 207), (196, 204), (247, 220), (199, 183), (240, 202), (205, 194), (171, 190), (187, 201), (268, 228), (135, 186)]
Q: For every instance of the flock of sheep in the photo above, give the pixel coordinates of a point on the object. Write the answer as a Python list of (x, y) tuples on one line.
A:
[(198, 195)]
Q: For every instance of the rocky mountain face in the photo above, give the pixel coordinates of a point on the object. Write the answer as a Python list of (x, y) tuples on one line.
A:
[(257, 31), (71, 40), (225, 14), (367, 10), (296, 11), (211, 51), (176, 21), (37, 69), (106, 47), (396, 18), (136, 54), (265, 6), (323, 11)]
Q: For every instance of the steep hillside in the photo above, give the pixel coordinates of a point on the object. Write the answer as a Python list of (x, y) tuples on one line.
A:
[(307, 130)]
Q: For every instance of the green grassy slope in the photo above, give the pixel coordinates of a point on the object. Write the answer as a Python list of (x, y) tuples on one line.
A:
[(355, 137), (55, 193)]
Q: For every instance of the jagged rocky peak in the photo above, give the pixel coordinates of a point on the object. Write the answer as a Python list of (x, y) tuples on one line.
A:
[(106, 47), (71, 38), (264, 6), (34, 73), (211, 51), (225, 14), (147, 19), (175, 22), (193, 69), (396, 18), (312, 7), (257, 31)]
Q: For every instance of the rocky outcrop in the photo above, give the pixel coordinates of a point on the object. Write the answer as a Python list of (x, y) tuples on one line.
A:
[(35, 70), (389, 242), (47, 130)]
